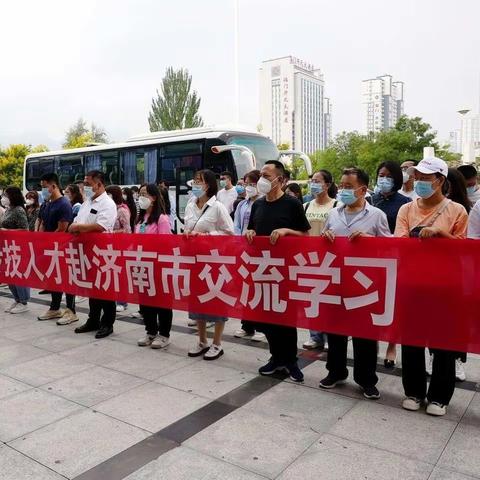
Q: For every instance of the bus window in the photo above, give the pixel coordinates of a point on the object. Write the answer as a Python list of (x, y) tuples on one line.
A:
[(139, 166), (35, 168), (109, 162), (181, 155), (69, 169)]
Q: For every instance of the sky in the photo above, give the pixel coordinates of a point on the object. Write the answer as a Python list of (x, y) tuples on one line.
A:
[(103, 60)]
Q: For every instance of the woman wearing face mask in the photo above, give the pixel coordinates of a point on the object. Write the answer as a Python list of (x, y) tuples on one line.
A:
[(154, 220), (323, 191), (15, 218), (241, 195), (73, 193), (32, 207), (387, 199), (240, 224), (205, 215), (430, 216)]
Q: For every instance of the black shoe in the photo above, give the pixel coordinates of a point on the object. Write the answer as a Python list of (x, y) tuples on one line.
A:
[(390, 364), (87, 327), (330, 382), (371, 393), (270, 368), (44, 292), (104, 332), (295, 373)]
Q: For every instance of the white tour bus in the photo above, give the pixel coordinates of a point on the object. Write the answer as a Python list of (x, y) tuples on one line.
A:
[(173, 156)]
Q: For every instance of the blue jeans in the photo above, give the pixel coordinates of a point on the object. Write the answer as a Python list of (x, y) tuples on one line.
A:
[(318, 337), (20, 294)]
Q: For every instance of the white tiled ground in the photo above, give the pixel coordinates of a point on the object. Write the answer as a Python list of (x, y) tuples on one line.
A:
[(69, 402)]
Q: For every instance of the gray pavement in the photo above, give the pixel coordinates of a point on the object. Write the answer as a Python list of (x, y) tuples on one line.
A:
[(75, 407)]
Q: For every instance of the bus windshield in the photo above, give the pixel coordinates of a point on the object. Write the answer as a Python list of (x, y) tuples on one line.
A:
[(263, 149)]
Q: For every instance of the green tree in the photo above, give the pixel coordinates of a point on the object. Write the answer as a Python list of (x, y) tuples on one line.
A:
[(79, 135), (176, 107), (12, 160)]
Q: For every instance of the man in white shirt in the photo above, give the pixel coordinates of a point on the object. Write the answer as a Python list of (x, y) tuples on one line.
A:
[(96, 215), (228, 194), (407, 188), (355, 218), (470, 174)]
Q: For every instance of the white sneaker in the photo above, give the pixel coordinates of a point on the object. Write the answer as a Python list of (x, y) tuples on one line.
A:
[(19, 308), (459, 371), (12, 305), (146, 341), (436, 409), (160, 342), (68, 318), (51, 315), (311, 344), (80, 299), (192, 323), (412, 403), (242, 334), (198, 349), (258, 337), (121, 308), (214, 352), (136, 315), (429, 366)]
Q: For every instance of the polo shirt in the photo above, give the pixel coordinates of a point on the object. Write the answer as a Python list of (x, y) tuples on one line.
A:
[(55, 211), (101, 211)]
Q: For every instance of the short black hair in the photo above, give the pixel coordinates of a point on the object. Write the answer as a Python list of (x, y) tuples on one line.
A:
[(253, 176), (395, 171), (15, 196), (134, 189), (227, 174), (468, 171), (50, 178), (96, 175), (164, 182), (362, 175), (210, 179), (288, 174), (79, 182), (278, 165)]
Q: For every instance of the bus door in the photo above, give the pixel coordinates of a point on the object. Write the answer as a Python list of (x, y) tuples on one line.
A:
[(182, 192)]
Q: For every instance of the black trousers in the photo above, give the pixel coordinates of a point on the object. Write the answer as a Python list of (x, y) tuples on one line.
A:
[(57, 300), (364, 359), (102, 312), (282, 342), (414, 376), (248, 327), (158, 321)]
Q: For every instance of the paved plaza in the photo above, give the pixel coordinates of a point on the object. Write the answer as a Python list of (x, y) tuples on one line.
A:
[(79, 408)]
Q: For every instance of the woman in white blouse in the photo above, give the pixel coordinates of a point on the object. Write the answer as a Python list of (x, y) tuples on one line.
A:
[(205, 215)]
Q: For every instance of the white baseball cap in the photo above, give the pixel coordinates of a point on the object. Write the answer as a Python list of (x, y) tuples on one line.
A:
[(430, 165)]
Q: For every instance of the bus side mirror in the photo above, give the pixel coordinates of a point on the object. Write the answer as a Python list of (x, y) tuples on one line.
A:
[(247, 156)]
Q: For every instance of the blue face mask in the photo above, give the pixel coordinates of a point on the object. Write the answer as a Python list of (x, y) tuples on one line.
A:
[(223, 183), (198, 191), (45, 193), (471, 190), (347, 196), (316, 188), (240, 189), (385, 184), (88, 191), (423, 189)]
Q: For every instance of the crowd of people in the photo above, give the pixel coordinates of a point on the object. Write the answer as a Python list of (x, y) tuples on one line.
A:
[(423, 199)]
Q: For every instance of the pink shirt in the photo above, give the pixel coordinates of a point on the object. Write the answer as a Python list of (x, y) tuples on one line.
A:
[(162, 226)]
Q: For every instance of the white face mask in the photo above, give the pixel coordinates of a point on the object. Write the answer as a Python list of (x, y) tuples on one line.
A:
[(251, 191), (124, 198), (29, 201), (5, 202), (144, 203), (406, 177), (264, 186)]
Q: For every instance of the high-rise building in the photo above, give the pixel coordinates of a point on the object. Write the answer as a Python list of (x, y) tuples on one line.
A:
[(469, 135), (327, 122), (383, 101), (454, 141), (292, 104)]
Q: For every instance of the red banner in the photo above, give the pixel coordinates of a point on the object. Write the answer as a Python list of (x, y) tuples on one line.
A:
[(401, 290)]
